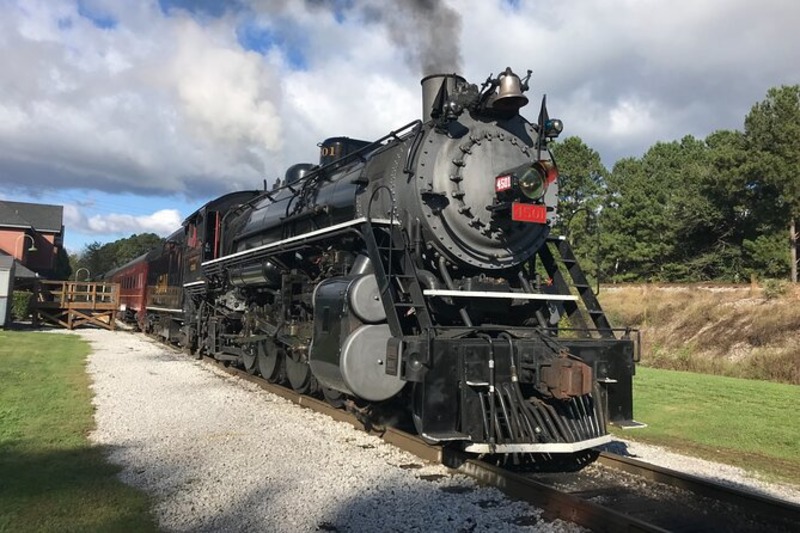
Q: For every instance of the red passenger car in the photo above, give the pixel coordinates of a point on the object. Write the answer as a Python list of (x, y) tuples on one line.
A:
[(132, 279)]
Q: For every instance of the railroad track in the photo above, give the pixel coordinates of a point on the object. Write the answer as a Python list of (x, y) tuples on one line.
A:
[(759, 505), (615, 494)]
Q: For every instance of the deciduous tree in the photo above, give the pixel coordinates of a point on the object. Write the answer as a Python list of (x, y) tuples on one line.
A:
[(582, 192), (100, 258), (772, 130)]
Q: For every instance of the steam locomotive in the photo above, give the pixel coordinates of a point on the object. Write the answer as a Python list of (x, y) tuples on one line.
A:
[(415, 272)]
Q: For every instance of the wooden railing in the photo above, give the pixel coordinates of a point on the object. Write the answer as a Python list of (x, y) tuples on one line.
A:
[(73, 303)]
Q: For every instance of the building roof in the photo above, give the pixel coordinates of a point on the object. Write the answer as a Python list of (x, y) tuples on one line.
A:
[(20, 271), (41, 217)]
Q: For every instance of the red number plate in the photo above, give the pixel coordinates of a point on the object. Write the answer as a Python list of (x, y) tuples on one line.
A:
[(528, 213), (502, 183)]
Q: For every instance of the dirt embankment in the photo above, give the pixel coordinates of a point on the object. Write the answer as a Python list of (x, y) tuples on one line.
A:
[(743, 331)]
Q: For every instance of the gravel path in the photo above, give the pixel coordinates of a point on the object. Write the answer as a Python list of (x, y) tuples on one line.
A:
[(220, 454)]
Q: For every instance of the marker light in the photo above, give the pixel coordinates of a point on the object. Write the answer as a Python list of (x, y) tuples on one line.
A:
[(553, 127)]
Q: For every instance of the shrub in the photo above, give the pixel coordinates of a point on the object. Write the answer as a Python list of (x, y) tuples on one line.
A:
[(21, 307), (774, 288)]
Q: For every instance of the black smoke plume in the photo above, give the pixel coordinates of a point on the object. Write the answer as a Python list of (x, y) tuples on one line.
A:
[(427, 31)]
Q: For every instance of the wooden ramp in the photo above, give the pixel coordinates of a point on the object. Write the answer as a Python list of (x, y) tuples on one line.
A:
[(75, 303)]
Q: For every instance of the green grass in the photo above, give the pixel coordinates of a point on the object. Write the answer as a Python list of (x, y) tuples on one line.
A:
[(51, 478), (746, 423)]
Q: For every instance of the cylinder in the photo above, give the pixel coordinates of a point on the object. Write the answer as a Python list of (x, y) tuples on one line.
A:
[(256, 274)]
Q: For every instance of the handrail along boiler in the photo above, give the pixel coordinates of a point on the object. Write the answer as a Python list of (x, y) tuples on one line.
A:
[(407, 271)]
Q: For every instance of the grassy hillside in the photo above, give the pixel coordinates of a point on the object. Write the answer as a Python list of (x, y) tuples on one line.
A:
[(745, 423), (739, 331)]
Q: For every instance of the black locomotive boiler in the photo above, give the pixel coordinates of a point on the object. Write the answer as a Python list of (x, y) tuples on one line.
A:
[(416, 272)]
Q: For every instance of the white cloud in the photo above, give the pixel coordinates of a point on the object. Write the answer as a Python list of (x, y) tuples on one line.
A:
[(162, 222), (224, 92), (698, 66), (171, 103), (631, 117), (155, 104)]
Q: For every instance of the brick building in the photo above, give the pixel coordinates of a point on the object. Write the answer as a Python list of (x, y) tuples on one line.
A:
[(32, 234)]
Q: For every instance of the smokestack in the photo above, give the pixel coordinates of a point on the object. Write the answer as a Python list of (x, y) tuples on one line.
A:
[(436, 89)]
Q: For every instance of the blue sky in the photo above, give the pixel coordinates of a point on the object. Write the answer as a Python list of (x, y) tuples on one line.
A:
[(133, 114)]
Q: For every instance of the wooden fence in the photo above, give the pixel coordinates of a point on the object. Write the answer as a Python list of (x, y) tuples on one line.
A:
[(74, 303)]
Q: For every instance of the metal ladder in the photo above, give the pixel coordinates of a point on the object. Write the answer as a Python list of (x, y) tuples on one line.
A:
[(591, 306), (398, 285)]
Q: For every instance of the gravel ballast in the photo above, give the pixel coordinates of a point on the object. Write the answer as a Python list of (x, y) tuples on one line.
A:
[(220, 454)]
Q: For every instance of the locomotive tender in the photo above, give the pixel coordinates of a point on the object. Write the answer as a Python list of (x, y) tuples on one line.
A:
[(408, 272)]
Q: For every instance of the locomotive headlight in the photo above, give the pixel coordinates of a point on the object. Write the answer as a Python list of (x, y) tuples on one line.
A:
[(526, 182), (532, 183)]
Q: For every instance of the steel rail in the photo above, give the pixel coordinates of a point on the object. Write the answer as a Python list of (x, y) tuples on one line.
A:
[(758, 503), (555, 504)]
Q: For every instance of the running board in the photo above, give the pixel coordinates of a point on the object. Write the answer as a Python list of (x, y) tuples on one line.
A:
[(494, 294)]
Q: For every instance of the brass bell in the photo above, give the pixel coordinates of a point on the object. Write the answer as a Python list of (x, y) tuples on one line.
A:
[(509, 95)]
